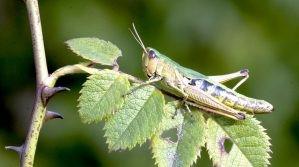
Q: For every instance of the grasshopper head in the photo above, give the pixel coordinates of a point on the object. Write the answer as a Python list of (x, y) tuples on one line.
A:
[(149, 56), (150, 61)]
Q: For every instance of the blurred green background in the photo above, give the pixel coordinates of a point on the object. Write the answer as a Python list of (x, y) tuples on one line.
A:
[(213, 37)]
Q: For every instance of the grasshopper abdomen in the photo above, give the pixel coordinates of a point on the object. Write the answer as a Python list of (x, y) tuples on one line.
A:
[(231, 98)]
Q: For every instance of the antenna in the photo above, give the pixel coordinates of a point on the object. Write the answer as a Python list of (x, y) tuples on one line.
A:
[(137, 37)]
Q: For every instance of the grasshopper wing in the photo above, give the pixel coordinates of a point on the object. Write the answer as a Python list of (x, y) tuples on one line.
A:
[(203, 100)]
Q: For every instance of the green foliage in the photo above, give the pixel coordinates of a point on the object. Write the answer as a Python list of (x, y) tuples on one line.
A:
[(137, 120), (133, 118), (190, 131), (250, 147), (94, 49), (101, 95)]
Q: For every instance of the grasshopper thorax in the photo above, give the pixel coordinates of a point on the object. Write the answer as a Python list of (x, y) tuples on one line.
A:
[(149, 61)]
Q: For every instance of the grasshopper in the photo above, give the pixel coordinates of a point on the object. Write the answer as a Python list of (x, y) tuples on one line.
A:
[(204, 92)]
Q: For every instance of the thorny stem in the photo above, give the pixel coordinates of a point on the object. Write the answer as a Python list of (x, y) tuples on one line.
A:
[(39, 110), (38, 116)]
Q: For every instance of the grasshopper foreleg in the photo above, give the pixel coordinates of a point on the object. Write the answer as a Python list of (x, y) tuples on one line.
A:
[(187, 106), (150, 81), (180, 89)]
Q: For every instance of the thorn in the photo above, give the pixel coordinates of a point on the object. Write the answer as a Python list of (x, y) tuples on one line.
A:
[(53, 115), (49, 92), (18, 149)]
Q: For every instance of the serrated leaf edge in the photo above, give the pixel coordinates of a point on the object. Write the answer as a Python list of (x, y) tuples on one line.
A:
[(84, 84), (265, 136), (139, 141), (85, 57)]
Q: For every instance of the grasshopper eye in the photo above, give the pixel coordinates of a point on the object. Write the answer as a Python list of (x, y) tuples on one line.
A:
[(152, 54)]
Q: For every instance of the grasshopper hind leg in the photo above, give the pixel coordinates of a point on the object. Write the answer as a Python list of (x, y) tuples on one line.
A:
[(241, 116), (245, 74), (227, 77), (235, 116)]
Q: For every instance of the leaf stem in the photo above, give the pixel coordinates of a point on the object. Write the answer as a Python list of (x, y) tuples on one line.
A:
[(80, 68)]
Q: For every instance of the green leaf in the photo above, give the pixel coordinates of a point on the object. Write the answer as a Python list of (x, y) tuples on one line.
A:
[(250, 143), (101, 95), (190, 134), (137, 120), (94, 49)]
